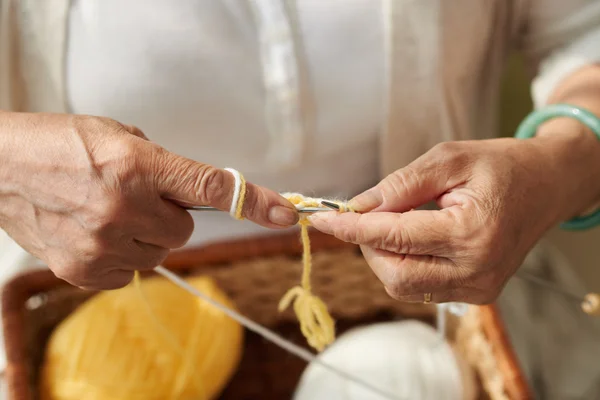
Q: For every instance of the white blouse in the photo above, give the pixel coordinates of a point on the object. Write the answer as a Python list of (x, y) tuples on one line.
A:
[(191, 77)]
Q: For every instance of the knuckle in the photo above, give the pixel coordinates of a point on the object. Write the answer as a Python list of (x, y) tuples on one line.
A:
[(112, 124), (451, 153), (72, 271), (94, 124), (104, 218), (126, 165), (127, 150), (134, 130), (137, 131), (367, 233), (186, 229), (349, 234), (400, 240), (465, 238), (398, 183), (118, 131), (210, 185), (448, 149), (92, 251)]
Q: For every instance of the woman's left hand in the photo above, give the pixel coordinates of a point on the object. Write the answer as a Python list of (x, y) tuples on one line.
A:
[(496, 198)]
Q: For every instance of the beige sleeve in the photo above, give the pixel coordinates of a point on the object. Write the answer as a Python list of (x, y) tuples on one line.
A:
[(559, 37)]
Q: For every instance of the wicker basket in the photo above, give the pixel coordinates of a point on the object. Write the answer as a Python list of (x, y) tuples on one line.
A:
[(256, 273)]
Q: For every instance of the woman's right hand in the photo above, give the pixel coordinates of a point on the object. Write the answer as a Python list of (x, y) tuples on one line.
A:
[(96, 200)]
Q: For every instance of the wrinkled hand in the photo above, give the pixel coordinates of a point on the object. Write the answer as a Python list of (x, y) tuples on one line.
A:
[(95, 200), (496, 198)]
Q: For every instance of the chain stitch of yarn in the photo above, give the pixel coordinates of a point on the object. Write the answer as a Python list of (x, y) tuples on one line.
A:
[(316, 323)]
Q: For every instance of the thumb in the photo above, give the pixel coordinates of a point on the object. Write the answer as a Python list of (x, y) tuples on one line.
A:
[(420, 182), (192, 183)]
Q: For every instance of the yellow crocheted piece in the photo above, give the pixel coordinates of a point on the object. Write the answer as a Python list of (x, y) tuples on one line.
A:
[(148, 341), (316, 324)]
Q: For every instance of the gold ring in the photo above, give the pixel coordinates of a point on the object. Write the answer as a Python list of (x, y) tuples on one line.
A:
[(427, 298)]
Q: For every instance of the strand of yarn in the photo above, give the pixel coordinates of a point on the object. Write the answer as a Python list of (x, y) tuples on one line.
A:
[(239, 195), (316, 323)]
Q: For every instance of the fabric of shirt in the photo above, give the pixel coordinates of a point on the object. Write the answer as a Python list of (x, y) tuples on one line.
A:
[(190, 77)]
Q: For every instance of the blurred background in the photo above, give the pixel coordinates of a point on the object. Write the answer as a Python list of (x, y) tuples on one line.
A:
[(582, 248)]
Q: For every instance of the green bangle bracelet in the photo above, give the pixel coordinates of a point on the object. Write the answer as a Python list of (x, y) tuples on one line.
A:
[(528, 129)]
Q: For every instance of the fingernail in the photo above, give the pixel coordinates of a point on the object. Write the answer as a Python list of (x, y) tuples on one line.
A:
[(366, 201), (284, 216)]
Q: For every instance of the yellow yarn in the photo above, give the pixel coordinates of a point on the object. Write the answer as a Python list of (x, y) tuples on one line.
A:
[(316, 324), (239, 209), (148, 342)]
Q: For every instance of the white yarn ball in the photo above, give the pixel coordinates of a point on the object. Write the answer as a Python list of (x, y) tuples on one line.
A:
[(406, 358)]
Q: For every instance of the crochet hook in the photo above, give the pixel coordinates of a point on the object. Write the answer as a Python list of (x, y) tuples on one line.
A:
[(305, 210)]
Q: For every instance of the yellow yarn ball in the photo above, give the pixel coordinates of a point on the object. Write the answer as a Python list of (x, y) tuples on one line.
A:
[(163, 344)]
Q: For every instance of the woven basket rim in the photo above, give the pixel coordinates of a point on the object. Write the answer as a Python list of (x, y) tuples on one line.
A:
[(17, 291)]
